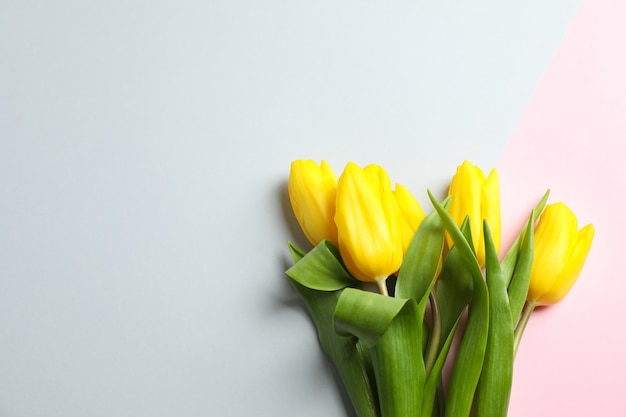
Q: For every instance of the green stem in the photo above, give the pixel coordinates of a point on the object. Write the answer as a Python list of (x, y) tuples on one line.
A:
[(529, 307), (441, 397), (382, 286), (435, 333)]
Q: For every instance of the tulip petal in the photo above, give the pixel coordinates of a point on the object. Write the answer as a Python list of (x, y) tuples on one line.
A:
[(490, 207), (573, 268), (479, 197), (368, 220), (312, 190), (554, 238), (412, 213), (465, 189)]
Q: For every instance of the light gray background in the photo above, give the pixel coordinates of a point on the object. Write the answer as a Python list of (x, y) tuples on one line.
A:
[(144, 150)]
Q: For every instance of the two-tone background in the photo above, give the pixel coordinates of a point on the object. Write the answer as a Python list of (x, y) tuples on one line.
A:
[(144, 152)]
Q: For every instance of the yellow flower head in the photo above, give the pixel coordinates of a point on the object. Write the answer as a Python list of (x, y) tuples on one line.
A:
[(369, 222), (478, 196), (312, 190), (412, 213), (560, 253)]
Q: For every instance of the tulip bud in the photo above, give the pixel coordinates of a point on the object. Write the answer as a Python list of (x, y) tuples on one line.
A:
[(369, 222), (412, 213), (560, 253), (312, 190), (478, 196)]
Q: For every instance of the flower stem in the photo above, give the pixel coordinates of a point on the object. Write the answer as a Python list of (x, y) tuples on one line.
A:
[(529, 307), (441, 397), (382, 286), (435, 333)]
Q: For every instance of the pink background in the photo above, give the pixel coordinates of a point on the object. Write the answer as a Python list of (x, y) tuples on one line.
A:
[(571, 140)]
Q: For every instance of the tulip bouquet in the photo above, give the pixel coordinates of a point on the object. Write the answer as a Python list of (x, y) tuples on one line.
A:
[(389, 288)]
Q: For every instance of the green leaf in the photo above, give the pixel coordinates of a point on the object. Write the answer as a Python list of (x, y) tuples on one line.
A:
[(518, 287), (321, 269), (296, 252), (510, 259), (454, 292), (469, 359), (454, 286), (390, 327), (433, 378), (419, 272), (320, 277), (351, 358), (465, 248), (494, 388), (421, 261)]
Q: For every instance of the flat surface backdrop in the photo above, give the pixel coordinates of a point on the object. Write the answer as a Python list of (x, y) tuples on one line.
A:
[(144, 153)]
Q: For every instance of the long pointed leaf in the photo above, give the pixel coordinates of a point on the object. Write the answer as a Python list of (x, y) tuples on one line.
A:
[(471, 352), (454, 286), (460, 241), (421, 261), (510, 259), (518, 287), (494, 388)]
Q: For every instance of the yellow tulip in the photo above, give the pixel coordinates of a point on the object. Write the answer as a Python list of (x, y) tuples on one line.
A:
[(560, 253), (370, 223), (412, 213), (312, 190), (478, 196)]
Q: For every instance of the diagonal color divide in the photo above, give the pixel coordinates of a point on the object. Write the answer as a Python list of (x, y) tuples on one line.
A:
[(571, 139)]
